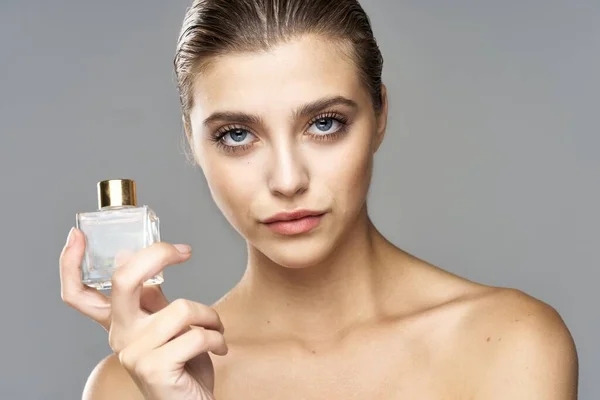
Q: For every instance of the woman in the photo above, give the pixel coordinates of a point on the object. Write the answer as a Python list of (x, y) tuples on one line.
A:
[(284, 109)]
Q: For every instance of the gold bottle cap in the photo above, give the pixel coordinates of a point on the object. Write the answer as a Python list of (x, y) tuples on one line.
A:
[(117, 193)]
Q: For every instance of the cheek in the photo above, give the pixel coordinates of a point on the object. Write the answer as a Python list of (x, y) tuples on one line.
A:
[(347, 170), (231, 182)]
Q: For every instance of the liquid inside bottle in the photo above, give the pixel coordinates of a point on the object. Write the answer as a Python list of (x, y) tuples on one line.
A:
[(112, 234)]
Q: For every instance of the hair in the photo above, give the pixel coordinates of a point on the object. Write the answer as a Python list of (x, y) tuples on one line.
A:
[(213, 28)]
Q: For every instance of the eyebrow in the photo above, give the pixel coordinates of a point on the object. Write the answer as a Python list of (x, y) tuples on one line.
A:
[(302, 111), (231, 117), (316, 106)]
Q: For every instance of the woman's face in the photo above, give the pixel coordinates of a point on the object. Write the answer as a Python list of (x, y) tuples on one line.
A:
[(288, 130)]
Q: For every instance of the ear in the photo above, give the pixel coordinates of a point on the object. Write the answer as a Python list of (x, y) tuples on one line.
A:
[(382, 117)]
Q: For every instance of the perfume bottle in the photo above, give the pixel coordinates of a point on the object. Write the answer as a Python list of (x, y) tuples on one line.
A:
[(119, 227)]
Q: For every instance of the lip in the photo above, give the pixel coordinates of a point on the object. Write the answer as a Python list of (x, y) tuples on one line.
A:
[(294, 223), (290, 216)]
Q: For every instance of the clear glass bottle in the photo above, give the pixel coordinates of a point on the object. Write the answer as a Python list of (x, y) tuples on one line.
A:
[(117, 228)]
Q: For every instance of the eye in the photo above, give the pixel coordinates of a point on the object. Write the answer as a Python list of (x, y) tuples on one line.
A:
[(236, 137), (325, 126)]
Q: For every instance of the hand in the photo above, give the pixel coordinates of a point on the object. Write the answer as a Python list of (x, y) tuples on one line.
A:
[(163, 346)]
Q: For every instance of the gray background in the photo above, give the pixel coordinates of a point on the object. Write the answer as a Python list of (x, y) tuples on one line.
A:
[(490, 167)]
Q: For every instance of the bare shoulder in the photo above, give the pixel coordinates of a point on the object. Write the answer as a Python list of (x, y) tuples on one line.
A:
[(110, 381), (521, 348), (511, 317)]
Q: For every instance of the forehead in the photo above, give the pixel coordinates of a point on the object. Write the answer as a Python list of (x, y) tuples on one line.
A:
[(288, 75)]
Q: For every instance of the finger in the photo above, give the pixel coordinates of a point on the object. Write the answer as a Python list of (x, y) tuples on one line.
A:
[(175, 320), (153, 299), (86, 300), (128, 279), (191, 344), (182, 313), (174, 354)]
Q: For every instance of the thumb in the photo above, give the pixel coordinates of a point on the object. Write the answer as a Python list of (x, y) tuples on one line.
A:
[(73, 292)]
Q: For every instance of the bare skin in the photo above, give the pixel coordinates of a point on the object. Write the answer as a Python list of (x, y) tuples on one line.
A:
[(453, 340), (335, 313)]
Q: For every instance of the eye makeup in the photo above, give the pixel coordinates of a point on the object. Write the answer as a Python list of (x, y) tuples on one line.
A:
[(225, 137)]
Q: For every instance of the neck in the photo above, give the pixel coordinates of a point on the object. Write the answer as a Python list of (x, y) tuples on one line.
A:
[(347, 288)]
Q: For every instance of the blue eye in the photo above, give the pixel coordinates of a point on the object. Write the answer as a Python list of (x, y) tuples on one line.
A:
[(236, 137), (325, 126)]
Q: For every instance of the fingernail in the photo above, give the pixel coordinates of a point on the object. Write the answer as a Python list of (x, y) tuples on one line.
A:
[(183, 248), (71, 237)]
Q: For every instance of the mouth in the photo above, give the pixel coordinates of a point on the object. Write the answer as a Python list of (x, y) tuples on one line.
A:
[(294, 223)]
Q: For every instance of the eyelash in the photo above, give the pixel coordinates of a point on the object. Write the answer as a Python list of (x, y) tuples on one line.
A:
[(217, 138), (342, 120)]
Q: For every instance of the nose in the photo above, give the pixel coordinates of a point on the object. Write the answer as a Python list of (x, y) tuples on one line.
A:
[(288, 175)]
